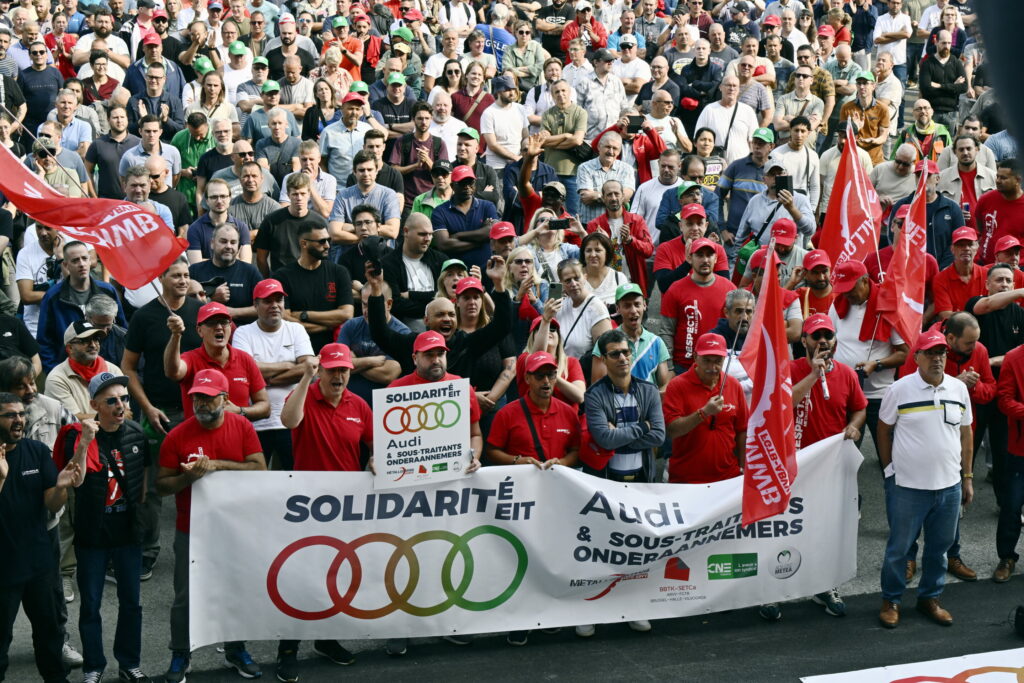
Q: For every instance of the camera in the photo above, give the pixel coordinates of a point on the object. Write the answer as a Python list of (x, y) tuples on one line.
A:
[(371, 246)]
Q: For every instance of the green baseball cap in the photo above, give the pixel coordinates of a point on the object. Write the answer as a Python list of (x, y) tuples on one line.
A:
[(627, 289), (359, 86), (395, 77), (865, 75), (339, 22), (237, 48), (261, 60), (453, 262), (202, 65), (764, 135), (685, 187), (470, 133), (271, 86), (404, 33)]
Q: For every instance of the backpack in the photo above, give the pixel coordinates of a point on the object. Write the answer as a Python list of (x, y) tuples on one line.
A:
[(405, 147)]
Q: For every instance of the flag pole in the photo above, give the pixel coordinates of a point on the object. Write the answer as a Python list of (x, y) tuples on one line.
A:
[(73, 176)]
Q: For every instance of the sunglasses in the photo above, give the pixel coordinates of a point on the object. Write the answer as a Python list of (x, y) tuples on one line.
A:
[(619, 353), (523, 261), (454, 72), (156, 176), (523, 33), (818, 335), (801, 75), (37, 52), (322, 242), (116, 400)]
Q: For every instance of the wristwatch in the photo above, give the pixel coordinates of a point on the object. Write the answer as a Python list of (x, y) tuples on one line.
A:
[(304, 316)]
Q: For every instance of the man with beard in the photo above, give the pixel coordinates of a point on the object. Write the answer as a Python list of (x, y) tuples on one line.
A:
[(340, 141), (277, 243), (928, 137), (233, 279), (215, 438), (253, 205), (462, 225), (215, 159), (69, 381), (631, 242), (467, 153), (648, 195), (106, 151), (110, 454), (671, 262), (816, 295), (414, 153), (200, 233), (319, 290), (1000, 211), (30, 487), (114, 47), (289, 47), (413, 270), (430, 363), (280, 348), (963, 279), (248, 393), (365, 191), (332, 430), (651, 358), (550, 22), (323, 187)]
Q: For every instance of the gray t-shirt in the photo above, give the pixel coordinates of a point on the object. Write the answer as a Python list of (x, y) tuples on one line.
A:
[(252, 213)]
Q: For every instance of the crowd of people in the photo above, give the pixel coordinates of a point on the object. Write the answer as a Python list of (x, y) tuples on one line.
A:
[(570, 203)]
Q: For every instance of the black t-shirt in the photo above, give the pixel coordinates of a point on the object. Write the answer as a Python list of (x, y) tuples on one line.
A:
[(13, 98), (487, 368), (279, 235), (15, 339), (178, 205), (148, 336), (323, 289), (211, 162), (241, 277), (24, 542), (106, 153), (275, 59), (555, 15), (1001, 331), (391, 114), (40, 91)]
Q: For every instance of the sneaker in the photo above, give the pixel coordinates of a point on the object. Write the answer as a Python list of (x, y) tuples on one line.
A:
[(92, 676), (287, 667), (241, 661), (517, 638), (132, 675), (832, 601), (458, 640), (147, 569), (332, 650), (585, 631), (69, 588), (70, 656), (770, 612), (181, 665), (396, 647), (641, 626), (110, 576)]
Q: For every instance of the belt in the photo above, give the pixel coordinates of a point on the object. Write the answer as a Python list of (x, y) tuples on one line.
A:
[(123, 507)]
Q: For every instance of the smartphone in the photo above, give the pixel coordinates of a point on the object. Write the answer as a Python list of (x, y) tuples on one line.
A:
[(784, 182), (635, 122), (558, 224), (555, 291)]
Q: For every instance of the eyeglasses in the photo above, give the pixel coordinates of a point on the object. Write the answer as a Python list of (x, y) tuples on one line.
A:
[(11, 415), (322, 242), (818, 335), (523, 261), (746, 66), (900, 162), (619, 353), (257, 23), (35, 53), (116, 400), (154, 78), (210, 197)]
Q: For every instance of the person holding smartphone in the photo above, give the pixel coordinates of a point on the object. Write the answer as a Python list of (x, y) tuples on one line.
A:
[(776, 201)]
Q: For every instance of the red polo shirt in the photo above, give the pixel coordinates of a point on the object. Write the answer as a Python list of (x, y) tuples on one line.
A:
[(558, 429), (413, 379), (244, 378), (573, 373), (810, 303), (328, 438), (234, 440), (951, 293), (696, 309), (672, 254), (704, 455), (818, 419)]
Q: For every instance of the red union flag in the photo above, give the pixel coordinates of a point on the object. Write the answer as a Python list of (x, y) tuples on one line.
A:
[(770, 462), (901, 297), (854, 215), (134, 244)]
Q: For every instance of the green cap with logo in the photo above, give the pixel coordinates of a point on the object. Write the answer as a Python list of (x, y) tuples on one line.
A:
[(404, 33), (627, 289), (202, 65), (470, 133), (453, 262), (237, 48), (271, 86), (339, 22), (395, 77), (764, 135), (261, 61), (865, 76), (359, 86), (685, 187)]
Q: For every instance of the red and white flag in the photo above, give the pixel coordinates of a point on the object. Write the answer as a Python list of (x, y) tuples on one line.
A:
[(854, 216), (901, 297), (134, 244), (770, 459)]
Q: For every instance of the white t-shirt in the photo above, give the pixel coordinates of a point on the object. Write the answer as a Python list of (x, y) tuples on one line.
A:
[(606, 290), (234, 78), (576, 336), (851, 350), (287, 344), (717, 117), (31, 265), (435, 64), (449, 132), (890, 24), (114, 70), (647, 200), (418, 275), (637, 68), (507, 125)]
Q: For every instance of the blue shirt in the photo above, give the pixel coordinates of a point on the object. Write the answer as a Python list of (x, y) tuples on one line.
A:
[(496, 41), (447, 217), (257, 128), (200, 234), (384, 199), (355, 334), (742, 180)]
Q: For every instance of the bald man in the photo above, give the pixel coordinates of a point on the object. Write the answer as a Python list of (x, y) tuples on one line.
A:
[(161, 191), (444, 125)]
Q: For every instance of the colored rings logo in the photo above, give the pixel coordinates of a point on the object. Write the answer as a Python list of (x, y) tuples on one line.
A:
[(427, 417), (455, 595)]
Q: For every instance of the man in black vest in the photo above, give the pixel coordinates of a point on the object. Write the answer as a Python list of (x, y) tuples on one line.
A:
[(110, 454)]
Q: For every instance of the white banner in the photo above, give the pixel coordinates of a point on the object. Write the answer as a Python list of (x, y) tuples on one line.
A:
[(421, 433), (1003, 666), (322, 555)]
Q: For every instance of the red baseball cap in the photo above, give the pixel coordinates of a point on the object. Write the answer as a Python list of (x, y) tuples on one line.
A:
[(413, 15), (159, 12), (502, 229), (353, 97), (468, 283), (461, 173), (688, 103), (711, 344), (152, 39), (427, 341), (903, 212), (540, 359), (757, 259), (846, 276), (932, 167), (784, 232), (691, 210), (209, 382), (825, 30), (336, 356), (266, 288), (930, 339), (772, 20), (815, 258), (701, 243), (213, 309), (538, 320), (964, 233), (360, 17), (1006, 243), (818, 321)]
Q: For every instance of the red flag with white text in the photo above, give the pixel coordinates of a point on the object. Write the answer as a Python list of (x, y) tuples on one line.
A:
[(770, 454), (134, 244), (853, 216), (901, 297)]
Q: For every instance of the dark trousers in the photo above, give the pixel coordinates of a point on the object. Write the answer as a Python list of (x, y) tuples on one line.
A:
[(92, 569), (914, 52), (37, 598), (871, 422), (149, 513), (179, 608), (277, 442), (989, 420), (1009, 525)]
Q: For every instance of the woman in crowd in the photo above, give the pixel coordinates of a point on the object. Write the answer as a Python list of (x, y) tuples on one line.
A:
[(570, 385), (526, 58), (448, 81), (452, 271), (212, 101), (529, 291), (549, 247), (714, 164), (325, 109), (475, 44), (949, 21), (602, 278), (805, 24), (331, 70), (469, 103), (840, 22), (582, 316), (493, 371)]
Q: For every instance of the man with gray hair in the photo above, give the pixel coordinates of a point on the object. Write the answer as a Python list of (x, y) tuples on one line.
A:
[(735, 322), (592, 175), (601, 94), (101, 312), (277, 151), (136, 190), (76, 133), (894, 180)]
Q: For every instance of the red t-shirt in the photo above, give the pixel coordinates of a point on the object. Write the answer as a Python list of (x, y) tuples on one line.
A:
[(670, 255), (951, 293), (244, 378), (696, 310), (994, 217), (558, 429), (810, 303), (573, 373), (328, 438), (704, 455), (413, 379), (818, 419), (967, 195), (234, 440)]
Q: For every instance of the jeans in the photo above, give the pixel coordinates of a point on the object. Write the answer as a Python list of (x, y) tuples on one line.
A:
[(37, 597), (901, 73), (1009, 525), (277, 442), (947, 118), (92, 569), (179, 608), (914, 52), (910, 511), (572, 195)]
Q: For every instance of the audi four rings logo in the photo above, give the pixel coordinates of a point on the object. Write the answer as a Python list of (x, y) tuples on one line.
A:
[(455, 595), (426, 417)]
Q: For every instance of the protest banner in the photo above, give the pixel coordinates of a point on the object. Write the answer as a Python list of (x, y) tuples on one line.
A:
[(421, 433), (311, 555)]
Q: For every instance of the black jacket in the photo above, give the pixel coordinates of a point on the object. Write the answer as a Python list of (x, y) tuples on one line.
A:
[(397, 278)]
